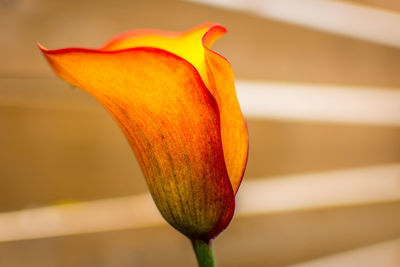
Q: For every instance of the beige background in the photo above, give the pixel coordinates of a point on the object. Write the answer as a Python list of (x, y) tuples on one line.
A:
[(59, 145)]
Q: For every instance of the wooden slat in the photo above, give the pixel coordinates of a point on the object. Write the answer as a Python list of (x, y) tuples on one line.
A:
[(287, 148), (49, 156)]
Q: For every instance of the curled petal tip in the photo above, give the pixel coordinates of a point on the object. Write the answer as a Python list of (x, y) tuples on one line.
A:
[(214, 32)]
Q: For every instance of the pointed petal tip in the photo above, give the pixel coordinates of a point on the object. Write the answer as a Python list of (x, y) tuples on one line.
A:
[(41, 47)]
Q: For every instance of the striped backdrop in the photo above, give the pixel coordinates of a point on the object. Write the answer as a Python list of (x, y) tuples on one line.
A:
[(319, 84)]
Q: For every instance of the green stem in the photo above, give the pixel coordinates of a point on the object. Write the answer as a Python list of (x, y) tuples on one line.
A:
[(204, 253)]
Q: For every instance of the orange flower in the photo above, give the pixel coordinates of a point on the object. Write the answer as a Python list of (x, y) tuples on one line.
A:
[(175, 101)]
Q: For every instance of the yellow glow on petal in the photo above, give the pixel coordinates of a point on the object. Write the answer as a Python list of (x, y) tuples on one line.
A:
[(187, 45)]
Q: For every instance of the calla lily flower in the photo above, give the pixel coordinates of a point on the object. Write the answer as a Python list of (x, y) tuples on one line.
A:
[(175, 101)]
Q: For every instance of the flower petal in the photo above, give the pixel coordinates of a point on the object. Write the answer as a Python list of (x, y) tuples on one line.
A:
[(172, 123), (186, 45), (233, 126), (216, 72)]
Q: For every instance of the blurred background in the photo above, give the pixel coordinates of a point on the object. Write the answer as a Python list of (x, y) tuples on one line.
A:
[(318, 82)]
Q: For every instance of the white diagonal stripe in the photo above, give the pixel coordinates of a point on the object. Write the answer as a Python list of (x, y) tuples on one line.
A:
[(264, 100), (319, 190), (324, 103), (356, 21), (381, 254), (255, 197)]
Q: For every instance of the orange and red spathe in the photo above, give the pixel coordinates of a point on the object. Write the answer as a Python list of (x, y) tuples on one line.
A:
[(175, 101)]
